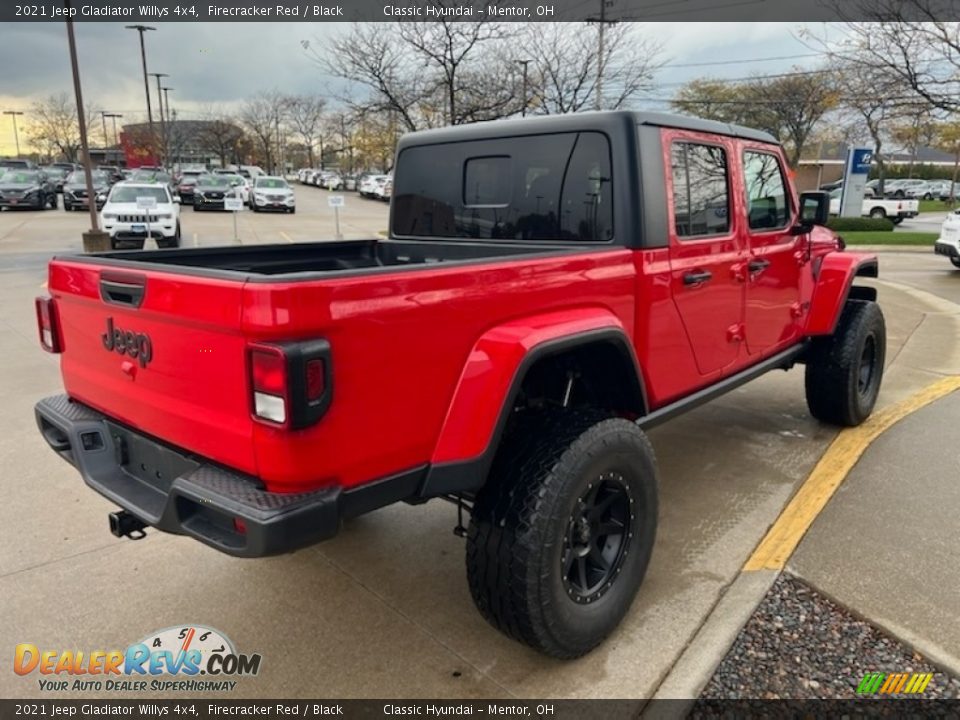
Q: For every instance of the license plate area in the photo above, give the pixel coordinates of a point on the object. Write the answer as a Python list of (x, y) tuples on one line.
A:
[(138, 227), (147, 460)]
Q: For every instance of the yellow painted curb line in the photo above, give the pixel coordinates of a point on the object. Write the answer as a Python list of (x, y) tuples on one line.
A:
[(783, 537)]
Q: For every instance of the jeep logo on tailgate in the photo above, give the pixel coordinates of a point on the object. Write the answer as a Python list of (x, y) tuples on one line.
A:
[(125, 342)]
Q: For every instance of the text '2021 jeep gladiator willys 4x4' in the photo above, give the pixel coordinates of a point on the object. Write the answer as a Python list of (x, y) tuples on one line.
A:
[(550, 287)]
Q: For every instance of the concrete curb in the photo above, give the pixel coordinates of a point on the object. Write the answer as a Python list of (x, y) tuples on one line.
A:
[(929, 650), (699, 660)]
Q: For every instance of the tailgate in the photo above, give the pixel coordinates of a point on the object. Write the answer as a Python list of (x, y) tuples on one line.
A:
[(160, 352)]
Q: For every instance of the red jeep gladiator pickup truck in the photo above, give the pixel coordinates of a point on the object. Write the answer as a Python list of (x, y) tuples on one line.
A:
[(550, 288)]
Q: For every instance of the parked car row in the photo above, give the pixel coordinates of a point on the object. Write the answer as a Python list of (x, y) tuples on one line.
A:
[(905, 188), (326, 179)]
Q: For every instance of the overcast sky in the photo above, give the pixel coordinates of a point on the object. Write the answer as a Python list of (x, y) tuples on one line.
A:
[(213, 64)]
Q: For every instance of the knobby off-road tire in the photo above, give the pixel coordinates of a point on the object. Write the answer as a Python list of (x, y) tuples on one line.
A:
[(561, 535), (844, 370)]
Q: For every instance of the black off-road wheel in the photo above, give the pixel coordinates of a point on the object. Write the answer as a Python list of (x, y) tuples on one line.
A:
[(955, 261), (844, 370), (561, 535)]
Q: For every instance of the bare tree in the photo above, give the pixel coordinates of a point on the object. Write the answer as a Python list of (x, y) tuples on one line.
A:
[(905, 38), (565, 66), (54, 126), (426, 74), (307, 120), (221, 136), (788, 106), (262, 115)]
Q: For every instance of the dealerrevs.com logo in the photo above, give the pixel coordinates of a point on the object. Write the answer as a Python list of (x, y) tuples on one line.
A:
[(192, 658)]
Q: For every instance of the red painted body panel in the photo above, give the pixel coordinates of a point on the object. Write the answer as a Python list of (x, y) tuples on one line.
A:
[(490, 370), (835, 277), (191, 393)]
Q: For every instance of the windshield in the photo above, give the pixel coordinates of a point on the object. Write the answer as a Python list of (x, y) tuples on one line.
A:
[(188, 180), (20, 177), (272, 183), (150, 176), (54, 171), (215, 181), (77, 176), (129, 194)]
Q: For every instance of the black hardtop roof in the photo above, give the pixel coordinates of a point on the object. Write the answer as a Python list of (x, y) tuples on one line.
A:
[(603, 120)]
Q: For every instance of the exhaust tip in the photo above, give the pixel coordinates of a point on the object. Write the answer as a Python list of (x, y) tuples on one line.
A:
[(123, 524)]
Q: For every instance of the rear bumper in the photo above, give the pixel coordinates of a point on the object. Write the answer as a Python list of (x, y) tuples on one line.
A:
[(179, 493)]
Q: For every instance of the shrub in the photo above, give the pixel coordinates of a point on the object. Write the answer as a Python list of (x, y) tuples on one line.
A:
[(856, 224)]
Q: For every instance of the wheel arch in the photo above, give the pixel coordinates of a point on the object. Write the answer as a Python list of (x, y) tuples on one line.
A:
[(494, 378), (835, 284)]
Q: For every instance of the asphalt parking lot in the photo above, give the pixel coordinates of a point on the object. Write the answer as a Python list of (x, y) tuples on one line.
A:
[(383, 610)]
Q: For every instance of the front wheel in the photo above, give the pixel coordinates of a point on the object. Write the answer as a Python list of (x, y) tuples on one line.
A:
[(844, 370), (561, 535), (955, 261)]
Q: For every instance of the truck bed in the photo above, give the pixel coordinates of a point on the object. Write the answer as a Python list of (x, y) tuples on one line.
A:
[(321, 257)]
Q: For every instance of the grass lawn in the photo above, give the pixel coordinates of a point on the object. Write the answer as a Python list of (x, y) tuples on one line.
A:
[(934, 206), (889, 238)]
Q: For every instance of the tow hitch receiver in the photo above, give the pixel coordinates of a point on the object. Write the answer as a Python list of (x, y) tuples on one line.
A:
[(123, 524)]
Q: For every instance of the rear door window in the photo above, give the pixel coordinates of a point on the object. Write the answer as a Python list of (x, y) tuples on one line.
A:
[(540, 187), (701, 200)]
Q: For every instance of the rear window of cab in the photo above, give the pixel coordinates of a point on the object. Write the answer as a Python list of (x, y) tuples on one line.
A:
[(534, 187)]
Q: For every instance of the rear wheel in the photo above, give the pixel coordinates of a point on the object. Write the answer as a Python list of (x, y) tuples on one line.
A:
[(878, 213), (561, 535), (844, 370), (896, 220)]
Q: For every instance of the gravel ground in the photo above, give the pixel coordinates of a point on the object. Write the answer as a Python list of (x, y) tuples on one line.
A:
[(799, 645)]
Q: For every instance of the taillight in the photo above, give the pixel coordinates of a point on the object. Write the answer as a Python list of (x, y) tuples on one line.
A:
[(269, 375), (290, 382), (47, 325)]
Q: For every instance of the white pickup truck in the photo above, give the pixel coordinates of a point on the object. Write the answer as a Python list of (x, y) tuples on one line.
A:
[(895, 209)]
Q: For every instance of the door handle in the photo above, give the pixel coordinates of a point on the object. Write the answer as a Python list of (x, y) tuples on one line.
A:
[(697, 277), (756, 266)]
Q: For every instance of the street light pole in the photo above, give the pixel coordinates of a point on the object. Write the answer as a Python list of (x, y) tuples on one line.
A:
[(143, 58), (116, 141), (16, 137), (94, 240), (106, 140), (163, 124), (525, 63), (167, 128)]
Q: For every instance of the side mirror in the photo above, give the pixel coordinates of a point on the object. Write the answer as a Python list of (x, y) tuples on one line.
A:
[(176, 199), (814, 210)]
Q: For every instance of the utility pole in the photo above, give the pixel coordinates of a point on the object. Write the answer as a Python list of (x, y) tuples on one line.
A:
[(94, 240), (525, 63), (163, 123), (143, 58), (602, 23), (16, 137)]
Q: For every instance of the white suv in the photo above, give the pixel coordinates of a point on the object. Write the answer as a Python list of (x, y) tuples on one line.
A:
[(272, 193), (949, 241), (126, 220)]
